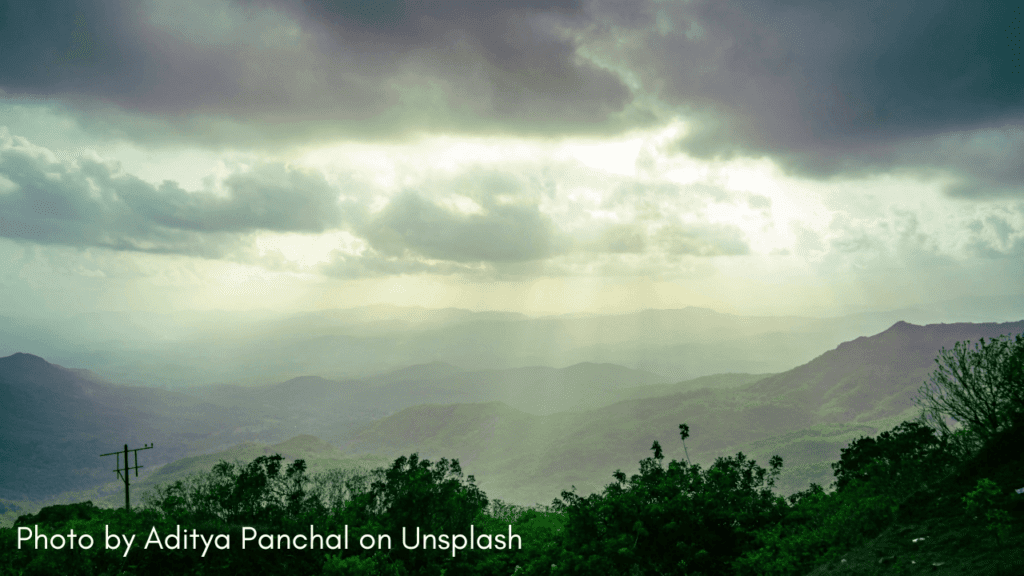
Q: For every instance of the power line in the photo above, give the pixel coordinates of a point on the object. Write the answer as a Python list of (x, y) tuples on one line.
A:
[(126, 469)]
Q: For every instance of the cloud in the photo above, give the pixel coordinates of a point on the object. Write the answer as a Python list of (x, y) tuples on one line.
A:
[(997, 236), (94, 203), (623, 239), (759, 202), (412, 224), (813, 73), (371, 264), (258, 71), (701, 240), (272, 197), (823, 88), (826, 88)]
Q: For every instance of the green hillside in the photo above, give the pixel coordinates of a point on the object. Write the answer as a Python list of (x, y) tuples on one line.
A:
[(932, 533)]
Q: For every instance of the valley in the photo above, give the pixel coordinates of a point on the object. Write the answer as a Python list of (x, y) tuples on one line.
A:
[(526, 433)]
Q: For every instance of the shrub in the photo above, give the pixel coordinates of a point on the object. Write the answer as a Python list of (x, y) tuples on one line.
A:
[(982, 506), (674, 519)]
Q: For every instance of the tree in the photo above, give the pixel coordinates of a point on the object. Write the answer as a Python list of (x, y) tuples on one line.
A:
[(433, 497), (679, 519), (414, 492), (900, 460), (261, 491), (980, 389)]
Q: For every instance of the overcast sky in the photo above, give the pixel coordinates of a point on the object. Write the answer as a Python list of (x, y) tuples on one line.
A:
[(543, 156)]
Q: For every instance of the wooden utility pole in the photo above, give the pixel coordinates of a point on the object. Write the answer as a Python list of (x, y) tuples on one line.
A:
[(126, 469)]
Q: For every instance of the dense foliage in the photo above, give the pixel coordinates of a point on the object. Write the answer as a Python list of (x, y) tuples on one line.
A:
[(675, 519), (263, 491), (902, 459), (669, 518)]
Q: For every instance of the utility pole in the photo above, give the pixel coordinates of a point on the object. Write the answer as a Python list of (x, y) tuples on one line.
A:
[(119, 470)]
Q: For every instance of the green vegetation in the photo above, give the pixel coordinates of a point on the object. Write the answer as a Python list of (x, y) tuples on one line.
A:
[(980, 388), (925, 497), (667, 520), (984, 503)]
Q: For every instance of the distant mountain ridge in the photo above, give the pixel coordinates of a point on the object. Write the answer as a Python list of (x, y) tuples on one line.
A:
[(55, 422), (806, 414), (183, 349), (534, 389), (843, 384), (587, 419)]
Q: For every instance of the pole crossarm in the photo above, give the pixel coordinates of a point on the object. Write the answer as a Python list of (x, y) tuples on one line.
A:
[(127, 468)]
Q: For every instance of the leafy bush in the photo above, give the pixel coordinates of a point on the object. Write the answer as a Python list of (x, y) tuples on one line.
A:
[(983, 506), (898, 461), (262, 491), (675, 519), (874, 476), (414, 493)]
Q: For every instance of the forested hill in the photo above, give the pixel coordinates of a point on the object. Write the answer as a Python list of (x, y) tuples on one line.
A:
[(55, 422), (807, 415)]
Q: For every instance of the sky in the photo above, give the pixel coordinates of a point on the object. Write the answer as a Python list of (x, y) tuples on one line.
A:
[(538, 156)]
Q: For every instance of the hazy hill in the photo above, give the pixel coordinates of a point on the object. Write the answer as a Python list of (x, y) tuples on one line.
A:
[(323, 406), (873, 377), (526, 432), (533, 389), (178, 349), (714, 382), (55, 422), (806, 414)]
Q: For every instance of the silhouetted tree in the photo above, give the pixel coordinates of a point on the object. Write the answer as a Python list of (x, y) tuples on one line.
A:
[(980, 388)]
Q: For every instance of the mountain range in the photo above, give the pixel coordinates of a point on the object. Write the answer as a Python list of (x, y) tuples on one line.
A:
[(806, 414), (196, 348), (526, 433)]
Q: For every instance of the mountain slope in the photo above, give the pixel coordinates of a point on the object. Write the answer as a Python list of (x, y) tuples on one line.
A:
[(873, 377), (203, 347), (321, 402), (806, 414), (55, 423)]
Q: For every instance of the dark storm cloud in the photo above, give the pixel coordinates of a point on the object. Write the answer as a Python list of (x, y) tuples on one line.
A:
[(823, 87), (828, 87), (309, 67), (107, 49), (414, 225), (93, 203), (812, 72), (508, 63)]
